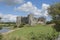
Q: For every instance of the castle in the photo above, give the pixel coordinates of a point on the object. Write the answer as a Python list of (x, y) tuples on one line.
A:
[(30, 19)]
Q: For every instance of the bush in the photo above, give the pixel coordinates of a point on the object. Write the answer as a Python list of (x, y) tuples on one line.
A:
[(16, 38), (33, 36), (41, 36), (1, 36), (21, 26), (57, 27), (57, 22), (49, 22), (15, 26), (0, 28), (27, 25)]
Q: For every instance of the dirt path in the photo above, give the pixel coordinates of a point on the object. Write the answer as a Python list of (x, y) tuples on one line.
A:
[(11, 31)]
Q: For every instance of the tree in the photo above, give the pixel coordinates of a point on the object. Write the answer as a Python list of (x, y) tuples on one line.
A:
[(0, 19), (1, 36), (54, 11)]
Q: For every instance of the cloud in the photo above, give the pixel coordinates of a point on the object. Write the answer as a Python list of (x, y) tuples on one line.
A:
[(45, 9), (29, 7), (45, 6), (12, 2), (46, 13), (8, 17)]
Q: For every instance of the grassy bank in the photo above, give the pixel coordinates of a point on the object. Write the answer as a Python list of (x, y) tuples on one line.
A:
[(38, 32)]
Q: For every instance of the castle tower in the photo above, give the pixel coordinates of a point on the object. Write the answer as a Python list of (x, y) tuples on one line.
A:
[(31, 19), (18, 21)]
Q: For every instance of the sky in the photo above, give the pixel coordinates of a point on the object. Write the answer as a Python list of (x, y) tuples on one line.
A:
[(10, 9)]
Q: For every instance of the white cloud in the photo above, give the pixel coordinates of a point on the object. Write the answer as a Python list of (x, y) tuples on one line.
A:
[(45, 9), (45, 6), (1, 15), (12, 2), (29, 7), (8, 17), (46, 13)]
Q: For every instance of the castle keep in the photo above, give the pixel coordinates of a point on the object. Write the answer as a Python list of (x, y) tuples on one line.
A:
[(30, 19)]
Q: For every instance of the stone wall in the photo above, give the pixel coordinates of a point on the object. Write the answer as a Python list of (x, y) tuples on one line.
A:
[(30, 19), (18, 21), (24, 20)]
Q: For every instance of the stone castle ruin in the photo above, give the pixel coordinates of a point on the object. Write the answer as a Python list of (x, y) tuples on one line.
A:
[(30, 19)]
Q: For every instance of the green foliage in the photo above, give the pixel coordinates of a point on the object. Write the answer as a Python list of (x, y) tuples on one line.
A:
[(54, 11), (38, 32), (57, 27), (0, 28), (49, 22), (16, 38), (0, 19), (1, 36), (21, 25), (27, 25), (33, 36), (15, 26), (57, 22), (43, 36)]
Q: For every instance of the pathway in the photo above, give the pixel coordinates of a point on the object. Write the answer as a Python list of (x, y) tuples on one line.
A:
[(11, 31)]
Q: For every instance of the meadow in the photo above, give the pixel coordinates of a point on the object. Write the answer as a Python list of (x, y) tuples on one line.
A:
[(37, 32)]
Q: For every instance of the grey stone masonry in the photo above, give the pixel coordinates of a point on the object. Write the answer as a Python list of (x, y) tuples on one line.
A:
[(30, 19), (18, 21)]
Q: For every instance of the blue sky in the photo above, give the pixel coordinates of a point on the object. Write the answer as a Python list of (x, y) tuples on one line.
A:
[(9, 7)]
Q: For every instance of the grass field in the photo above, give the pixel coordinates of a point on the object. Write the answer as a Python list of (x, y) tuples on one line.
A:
[(38, 32)]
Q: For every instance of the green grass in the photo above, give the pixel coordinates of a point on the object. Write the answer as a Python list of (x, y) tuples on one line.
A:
[(25, 33)]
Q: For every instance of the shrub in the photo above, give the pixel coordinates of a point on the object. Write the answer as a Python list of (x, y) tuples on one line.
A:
[(33, 36), (57, 27), (15, 26), (49, 22), (21, 25), (0, 28), (41, 36), (16, 38), (1, 36)]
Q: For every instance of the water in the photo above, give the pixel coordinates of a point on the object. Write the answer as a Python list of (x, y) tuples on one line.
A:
[(5, 29)]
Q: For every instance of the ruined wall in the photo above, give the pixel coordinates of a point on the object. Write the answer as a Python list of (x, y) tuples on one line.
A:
[(30, 19), (18, 21), (24, 20)]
